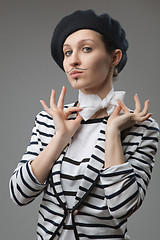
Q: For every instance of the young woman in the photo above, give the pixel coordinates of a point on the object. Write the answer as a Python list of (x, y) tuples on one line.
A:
[(91, 159)]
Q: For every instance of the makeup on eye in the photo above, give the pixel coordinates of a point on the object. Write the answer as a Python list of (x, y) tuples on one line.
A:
[(86, 45), (68, 53), (85, 49)]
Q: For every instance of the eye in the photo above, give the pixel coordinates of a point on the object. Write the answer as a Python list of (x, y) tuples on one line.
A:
[(68, 53), (87, 49)]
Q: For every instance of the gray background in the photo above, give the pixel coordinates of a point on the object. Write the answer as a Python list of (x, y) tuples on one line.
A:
[(27, 74)]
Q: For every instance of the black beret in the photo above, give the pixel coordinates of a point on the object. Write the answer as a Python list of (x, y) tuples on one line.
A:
[(88, 19)]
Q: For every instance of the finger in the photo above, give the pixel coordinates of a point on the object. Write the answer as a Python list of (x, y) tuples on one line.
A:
[(145, 109), (52, 99), (145, 117), (137, 104), (76, 122), (123, 106), (60, 103), (46, 108), (78, 118), (116, 110), (70, 110)]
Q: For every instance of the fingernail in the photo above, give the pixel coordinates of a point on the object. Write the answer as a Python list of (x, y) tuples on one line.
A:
[(53, 91)]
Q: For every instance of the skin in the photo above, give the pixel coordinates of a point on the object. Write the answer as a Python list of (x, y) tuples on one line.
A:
[(84, 49)]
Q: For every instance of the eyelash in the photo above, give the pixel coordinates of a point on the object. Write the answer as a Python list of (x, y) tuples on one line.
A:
[(70, 51), (66, 53), (90, 49)]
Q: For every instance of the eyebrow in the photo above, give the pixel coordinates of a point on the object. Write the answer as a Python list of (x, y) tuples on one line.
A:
[(83, 40)]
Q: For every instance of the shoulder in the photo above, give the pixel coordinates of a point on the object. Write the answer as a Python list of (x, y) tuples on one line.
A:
[(44, 117), (142, 138), (147, 130), (148, 125), (146, 133), (154, 123)]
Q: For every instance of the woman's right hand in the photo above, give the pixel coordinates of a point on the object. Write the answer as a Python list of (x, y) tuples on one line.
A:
[(64, 128)]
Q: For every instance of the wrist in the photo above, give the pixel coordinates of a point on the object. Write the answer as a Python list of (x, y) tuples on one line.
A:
[(113, 132), (61, 138), (113, 151)]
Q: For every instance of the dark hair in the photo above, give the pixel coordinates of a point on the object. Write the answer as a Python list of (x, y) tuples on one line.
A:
[(110, 49)]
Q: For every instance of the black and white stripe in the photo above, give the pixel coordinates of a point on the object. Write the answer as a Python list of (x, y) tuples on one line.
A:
[(104, 199)]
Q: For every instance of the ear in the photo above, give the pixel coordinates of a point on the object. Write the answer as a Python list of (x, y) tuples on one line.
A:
[(117, 57)]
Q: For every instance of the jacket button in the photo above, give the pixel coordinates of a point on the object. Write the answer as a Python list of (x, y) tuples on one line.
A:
[(75, 212)]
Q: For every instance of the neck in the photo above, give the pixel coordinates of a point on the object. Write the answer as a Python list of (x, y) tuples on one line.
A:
[(100, 114), (101, 91)]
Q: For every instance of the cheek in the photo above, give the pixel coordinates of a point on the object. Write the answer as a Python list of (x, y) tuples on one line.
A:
[(64, 65), (101, 66)]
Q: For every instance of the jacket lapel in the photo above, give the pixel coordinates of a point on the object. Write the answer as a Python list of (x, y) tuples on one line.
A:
[(56, 173), (91, 174), (56, 180), (96, 163)]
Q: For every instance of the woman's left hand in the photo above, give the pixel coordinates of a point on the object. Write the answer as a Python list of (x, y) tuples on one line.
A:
[(128, 119)]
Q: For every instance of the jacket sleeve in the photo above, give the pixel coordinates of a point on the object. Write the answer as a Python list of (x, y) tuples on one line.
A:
[(125, 185), (23, 185)]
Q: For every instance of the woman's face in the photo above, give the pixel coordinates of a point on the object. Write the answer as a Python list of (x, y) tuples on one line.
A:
[(87, 63)]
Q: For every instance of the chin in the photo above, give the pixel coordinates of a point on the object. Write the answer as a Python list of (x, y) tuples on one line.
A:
[(76, 84)]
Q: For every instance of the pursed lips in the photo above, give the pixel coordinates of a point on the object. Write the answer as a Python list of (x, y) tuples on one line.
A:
[(75, 73)]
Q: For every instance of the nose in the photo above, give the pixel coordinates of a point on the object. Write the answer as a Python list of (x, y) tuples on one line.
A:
[(74, 60)]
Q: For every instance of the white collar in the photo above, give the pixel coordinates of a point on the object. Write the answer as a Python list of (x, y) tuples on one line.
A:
[(91, 103)]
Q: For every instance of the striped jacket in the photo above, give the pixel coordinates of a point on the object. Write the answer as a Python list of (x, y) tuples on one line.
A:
[(105, 198)]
